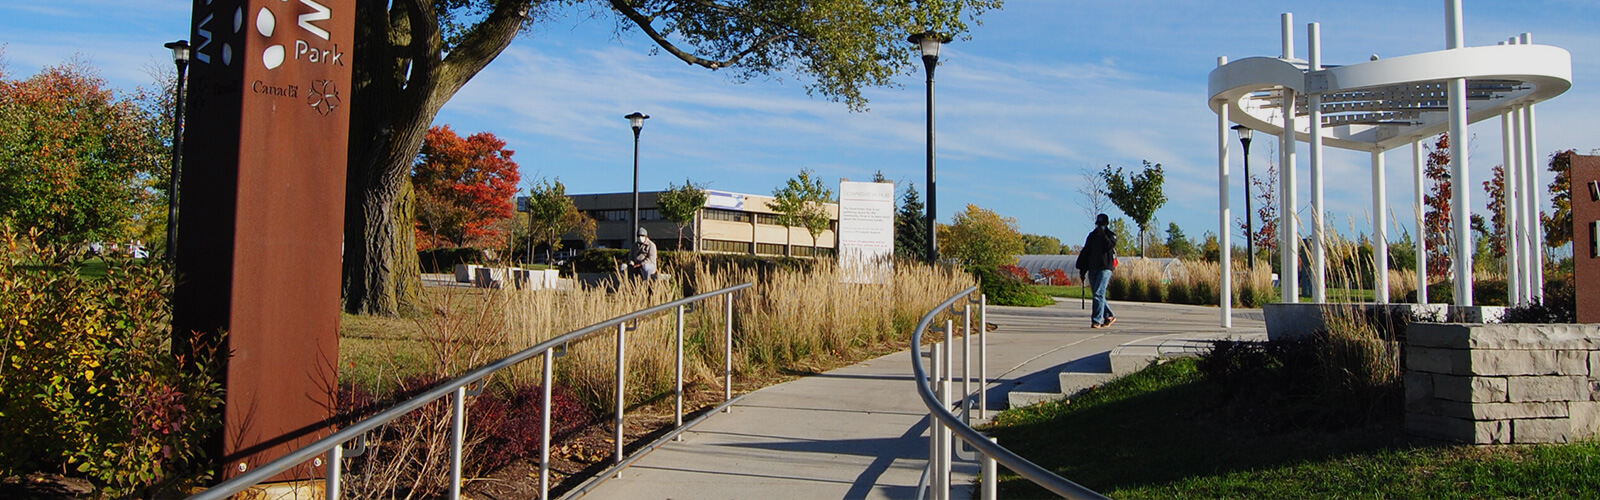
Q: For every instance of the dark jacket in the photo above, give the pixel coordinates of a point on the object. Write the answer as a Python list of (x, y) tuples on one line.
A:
[(1099, 250)]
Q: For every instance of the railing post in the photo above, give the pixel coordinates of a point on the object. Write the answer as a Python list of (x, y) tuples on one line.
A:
[(335, 471), (983, 357), (966, 363), (934, 426), (990, 482), (727, 357), (944, 400), (544, 425), (622, 368), (679, 387), (458, 435)]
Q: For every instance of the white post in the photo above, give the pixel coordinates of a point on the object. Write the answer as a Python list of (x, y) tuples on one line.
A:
[(1319, 252), (544, 424), (622, 376), (677, 390), (1380, 229), (1512, 173), (1421, 242), (983, 357), (1225, 210), (1460, 179), (1536, 232), (1288, 223)]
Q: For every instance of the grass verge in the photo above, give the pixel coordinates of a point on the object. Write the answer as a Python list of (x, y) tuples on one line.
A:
[(1066, 292), (1164, 433)]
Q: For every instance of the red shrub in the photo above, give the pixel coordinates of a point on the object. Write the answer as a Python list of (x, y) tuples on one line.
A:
[(1058, 277), (1017, 271)]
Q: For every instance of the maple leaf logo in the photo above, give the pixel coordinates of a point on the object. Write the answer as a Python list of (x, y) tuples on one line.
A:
[(324, 96)]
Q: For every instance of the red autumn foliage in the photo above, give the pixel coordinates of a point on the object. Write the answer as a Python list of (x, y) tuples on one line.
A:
[(464, 188), (1017, 271), (1057, 277)]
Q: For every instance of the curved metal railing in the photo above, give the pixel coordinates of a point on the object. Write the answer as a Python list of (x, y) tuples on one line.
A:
[(938, 404), (333, 446)]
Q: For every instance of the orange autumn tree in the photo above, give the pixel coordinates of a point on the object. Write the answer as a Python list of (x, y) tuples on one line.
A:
[(464, 189), (76, 160)]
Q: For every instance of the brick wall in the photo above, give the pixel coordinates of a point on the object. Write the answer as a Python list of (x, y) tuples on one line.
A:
[(1503, 383)]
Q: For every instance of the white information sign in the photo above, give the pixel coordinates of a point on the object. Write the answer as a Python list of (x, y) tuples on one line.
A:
[(866, 231)]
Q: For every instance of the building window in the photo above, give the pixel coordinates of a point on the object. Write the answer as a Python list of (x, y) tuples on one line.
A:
[(611, 215), (728, 215), (800, 251), (725, 246), (768, 219), (650, 214), (769, 249)]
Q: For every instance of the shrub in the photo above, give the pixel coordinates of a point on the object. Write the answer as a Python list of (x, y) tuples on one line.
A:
[(89, 383), (1005, 289), (1117, 289), (1178, 292), (1484, 293), (1015, 271), (444, 260), (1559, 305), (1058, 277), (600, 260)]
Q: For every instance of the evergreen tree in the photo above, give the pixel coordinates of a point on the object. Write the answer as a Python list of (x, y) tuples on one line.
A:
[(911, 226)]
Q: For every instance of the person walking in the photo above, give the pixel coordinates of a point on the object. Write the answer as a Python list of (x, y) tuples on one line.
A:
[(642, 260), (1095, 262)]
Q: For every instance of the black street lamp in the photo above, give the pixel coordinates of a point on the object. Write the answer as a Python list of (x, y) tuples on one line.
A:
[(1249, 232), (637, 119), (180, 58), (929, 42)]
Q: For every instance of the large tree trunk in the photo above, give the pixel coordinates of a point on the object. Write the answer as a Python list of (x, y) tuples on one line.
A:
[(401, 79)]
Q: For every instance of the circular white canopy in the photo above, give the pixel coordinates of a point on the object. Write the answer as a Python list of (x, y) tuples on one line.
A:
[(1385, 103)]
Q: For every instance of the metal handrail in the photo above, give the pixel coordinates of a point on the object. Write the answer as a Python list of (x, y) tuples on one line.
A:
[(334, 442), (937, 411)]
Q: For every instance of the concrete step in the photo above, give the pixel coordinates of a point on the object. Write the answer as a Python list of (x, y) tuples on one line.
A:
[(1082, 374)]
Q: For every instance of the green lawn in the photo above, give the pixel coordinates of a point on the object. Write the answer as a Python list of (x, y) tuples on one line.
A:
[(1066, 292), (1162, 433)]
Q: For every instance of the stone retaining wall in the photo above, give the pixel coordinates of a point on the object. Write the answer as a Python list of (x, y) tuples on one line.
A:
[(1503, 383)]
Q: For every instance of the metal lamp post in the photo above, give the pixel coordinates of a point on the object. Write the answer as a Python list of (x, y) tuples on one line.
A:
[(180, 58), (929, 43), (1249, 231), (637, 119)]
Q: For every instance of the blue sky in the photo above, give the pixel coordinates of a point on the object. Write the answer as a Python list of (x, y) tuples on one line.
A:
[(1043, 90)]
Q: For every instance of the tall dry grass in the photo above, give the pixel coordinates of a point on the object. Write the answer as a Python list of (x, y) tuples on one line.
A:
[(1198, 283), (792, 319)]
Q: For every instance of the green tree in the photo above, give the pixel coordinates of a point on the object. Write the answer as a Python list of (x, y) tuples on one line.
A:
[(799, 203), (981, 239), (1139, 196), (1178, 244), (412, 56), (680, 203), (1211, 248), (1558, 225), (552, 215), (1036, 244), (911, 226), (75, 159), (1125, 242)]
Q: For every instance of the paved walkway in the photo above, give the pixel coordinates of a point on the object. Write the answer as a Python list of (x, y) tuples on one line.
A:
[(861, 431)]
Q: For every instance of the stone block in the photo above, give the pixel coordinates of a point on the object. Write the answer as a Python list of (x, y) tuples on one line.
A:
[(1490, 411), (1541, 430), (1438, 360), (1524, 362), (1548, 388), (1585, 417), (1457, 429), (1532, 336), (1419, 387), (1594, 364), (1470, 389)]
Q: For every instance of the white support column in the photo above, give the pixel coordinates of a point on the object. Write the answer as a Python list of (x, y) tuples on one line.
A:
[(1380, 229), (1512, 172), (1421, 242), (1460, 179), (1536, 239), (1288, 222), (1319, 239), (1225, 210)]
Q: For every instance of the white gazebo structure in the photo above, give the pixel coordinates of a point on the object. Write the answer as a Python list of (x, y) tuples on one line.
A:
[(1383, 104)]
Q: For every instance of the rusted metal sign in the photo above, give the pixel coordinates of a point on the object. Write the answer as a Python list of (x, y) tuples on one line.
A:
[(261, 215)]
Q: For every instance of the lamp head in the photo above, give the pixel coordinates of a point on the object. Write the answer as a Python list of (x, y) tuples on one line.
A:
[(180, 51), (1244, 133), (929, 43), (637, 120)]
